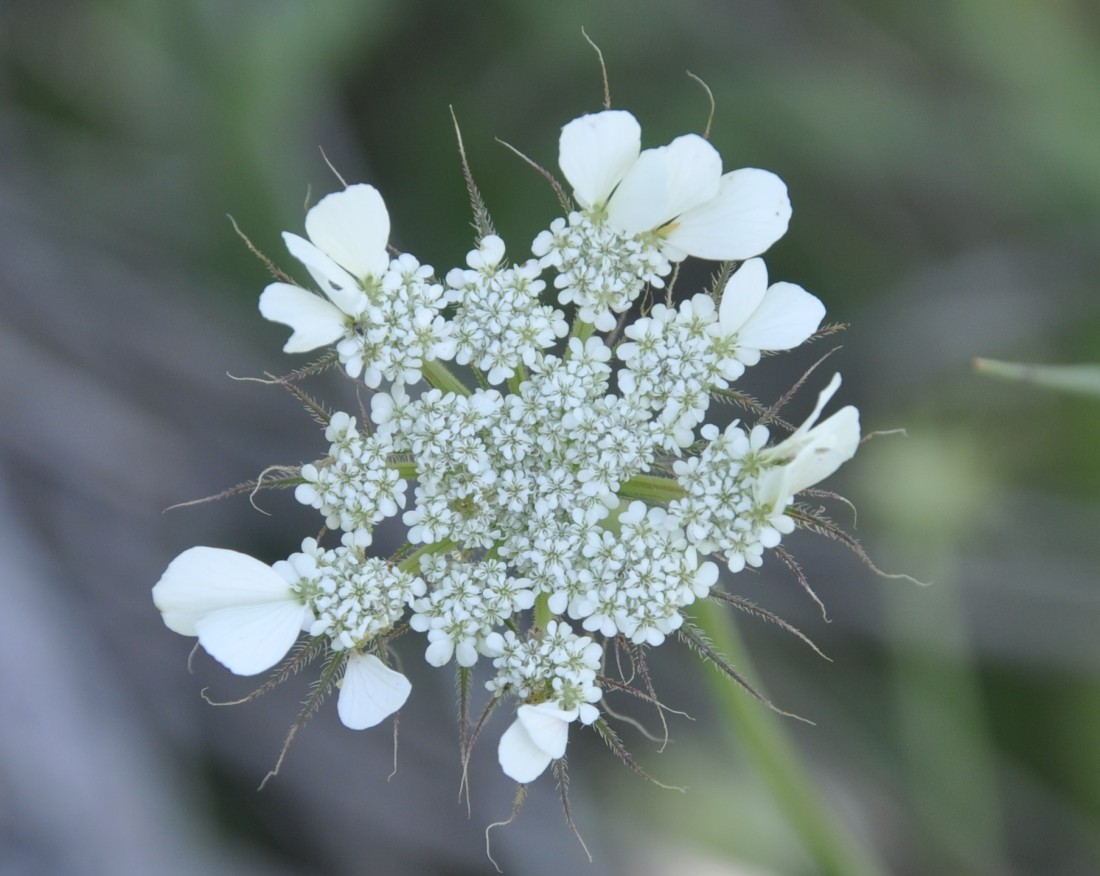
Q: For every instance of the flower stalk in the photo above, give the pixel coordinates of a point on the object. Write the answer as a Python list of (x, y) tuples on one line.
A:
[(764, 735)]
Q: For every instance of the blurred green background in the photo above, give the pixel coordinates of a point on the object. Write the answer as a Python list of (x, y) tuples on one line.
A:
[(943, 165)]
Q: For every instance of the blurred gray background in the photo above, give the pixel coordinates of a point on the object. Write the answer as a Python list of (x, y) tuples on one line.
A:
[(943, 165)]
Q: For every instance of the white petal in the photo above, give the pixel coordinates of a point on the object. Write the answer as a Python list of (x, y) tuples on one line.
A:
[(519, 757), (640, 203), (694, 173), (316, 322), (791, 444), (812, 452), (466, 654), (352, 227), (370, 692), (749, 214), (248, 639), (547, 726), (595, 151), (341, 287), (742, 295), (664, 182), (439, 652), (830, 444), (785, 318), (203, 580)]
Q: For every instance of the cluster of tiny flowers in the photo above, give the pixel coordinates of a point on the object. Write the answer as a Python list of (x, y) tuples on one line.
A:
[(599, 268), (635, 583), (352, 598), (559, 666), (468, 603), (673, 361), (355, 488), (577, 481), (499, 324), (399, 328), (721, 511)]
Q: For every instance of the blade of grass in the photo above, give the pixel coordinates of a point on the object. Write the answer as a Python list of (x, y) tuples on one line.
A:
[(764, 736)]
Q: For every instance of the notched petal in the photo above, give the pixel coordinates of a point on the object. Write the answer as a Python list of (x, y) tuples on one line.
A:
[(352, 228), (370, 692), (518, 755), (203, 580), (750, 212), (315, 321), (595, 151)]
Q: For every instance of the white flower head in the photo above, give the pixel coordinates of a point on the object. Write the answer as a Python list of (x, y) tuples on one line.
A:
[(244, 613), (346, 250), (537, 736), (574, 480)]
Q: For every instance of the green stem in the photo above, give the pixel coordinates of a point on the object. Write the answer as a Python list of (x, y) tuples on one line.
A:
[(582, 330), (834, 850), (543, 615), (652, 488), (516, 380), (442, 378), (406, 468), (411, 563)]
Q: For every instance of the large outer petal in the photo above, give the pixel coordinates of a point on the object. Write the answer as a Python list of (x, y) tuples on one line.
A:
[(749, 214), (821, 452), (665, 182), (831, 443), (203, 580), (547, 726), (352, 227), (794, 441), (694, 173), (785, 318), (812, 452), (341, 287), (370, 692), (248, 639), (742, 296), (518, 755), (315, 321), (595, 151)]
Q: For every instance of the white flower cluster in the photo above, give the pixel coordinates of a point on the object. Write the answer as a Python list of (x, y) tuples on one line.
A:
[(544, 495), (499, 324), (351, 598), (467, 604), (383, 316), (599, 268), (355, 488), (555, 677)]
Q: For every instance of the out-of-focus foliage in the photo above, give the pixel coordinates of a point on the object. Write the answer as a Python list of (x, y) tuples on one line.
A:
[(1082, 379), (945, 177)]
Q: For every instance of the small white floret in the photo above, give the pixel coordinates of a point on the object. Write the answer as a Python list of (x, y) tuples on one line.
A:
[(352, 227), (812, 452), (762, 317)]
